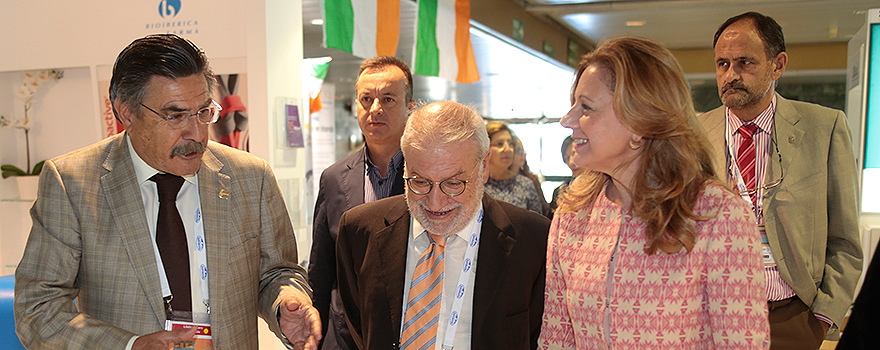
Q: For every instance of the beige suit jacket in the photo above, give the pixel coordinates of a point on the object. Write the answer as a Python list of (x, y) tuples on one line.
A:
[(90, 242), (811, 218)]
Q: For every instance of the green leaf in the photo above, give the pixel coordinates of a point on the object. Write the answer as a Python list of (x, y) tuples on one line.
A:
[(11, 170), (38, 168)]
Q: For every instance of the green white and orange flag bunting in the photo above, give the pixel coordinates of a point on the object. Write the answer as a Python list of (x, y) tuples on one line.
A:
[(364, 28), (314, 71), (443, 41)]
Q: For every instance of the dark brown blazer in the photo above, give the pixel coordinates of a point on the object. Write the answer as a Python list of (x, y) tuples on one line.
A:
[(341, 188), (509, 284)]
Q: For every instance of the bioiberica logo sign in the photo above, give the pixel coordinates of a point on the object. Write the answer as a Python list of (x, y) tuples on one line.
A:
[(169, 8), (170, 22)]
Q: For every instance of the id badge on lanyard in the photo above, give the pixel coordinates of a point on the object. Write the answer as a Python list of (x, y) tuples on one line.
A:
[(468, 267), (766, 252), (201, 320)]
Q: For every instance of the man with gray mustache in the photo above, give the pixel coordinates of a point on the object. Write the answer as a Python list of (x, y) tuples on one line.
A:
[(793, 162), (157, 225)]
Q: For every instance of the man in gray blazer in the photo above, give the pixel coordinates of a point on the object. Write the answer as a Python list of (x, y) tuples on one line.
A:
[(384, 99), (794, 162), (94, 275)]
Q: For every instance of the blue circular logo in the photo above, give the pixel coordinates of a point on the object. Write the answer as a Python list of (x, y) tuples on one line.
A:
[(204, 270), (200, 243), (480, 217), (467, 265), (460, 293), (453, 319), (198, 215), (473, 240), (169, 8)]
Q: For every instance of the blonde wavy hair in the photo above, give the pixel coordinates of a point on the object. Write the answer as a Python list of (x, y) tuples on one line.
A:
[(651, 98)]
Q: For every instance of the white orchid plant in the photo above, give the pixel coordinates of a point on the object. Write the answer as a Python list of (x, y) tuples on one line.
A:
[(31, 82)]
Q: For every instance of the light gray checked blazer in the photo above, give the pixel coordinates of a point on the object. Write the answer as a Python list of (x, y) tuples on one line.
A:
[(90, 241)]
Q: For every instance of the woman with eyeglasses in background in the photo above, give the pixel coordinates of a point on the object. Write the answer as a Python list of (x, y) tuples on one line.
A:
[(521, 166), (649, 250), (503, 184)]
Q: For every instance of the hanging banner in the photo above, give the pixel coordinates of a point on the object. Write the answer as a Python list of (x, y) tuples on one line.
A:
[(443, 41), (364, 28)]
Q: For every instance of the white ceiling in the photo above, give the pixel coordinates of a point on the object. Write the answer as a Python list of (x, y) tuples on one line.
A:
[(692, 23)]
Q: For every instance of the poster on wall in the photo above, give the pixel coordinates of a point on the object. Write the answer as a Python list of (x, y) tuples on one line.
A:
[(294, 127), (232, 127), (109, 125)]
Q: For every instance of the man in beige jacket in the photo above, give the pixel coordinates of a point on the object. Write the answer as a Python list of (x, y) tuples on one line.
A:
[(94, 274), (794, 162)]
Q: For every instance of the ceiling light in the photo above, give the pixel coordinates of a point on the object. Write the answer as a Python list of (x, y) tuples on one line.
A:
[(317, 22), (635, 23)]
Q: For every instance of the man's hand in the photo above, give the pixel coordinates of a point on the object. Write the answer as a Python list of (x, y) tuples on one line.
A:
[(300, 323), (163, 340)]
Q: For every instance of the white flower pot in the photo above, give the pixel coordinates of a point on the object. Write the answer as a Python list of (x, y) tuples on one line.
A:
[(27, 186)]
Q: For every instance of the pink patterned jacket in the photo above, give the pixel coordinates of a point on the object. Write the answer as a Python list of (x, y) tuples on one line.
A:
[(710, 298)]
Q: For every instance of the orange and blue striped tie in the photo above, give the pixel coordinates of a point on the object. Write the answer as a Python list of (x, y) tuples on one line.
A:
[(423, 306)]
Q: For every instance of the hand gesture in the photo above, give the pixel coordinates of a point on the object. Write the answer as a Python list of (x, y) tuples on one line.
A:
[(163, 340), (300, 323)]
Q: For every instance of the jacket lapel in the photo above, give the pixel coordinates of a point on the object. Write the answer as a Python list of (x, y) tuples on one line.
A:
[(397, 187), (496, 243), (214, 192), (787, 136), (391, 244), (119, 186), (353, 180)]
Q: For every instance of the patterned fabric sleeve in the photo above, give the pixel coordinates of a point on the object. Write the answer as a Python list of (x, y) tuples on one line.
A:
[(735, 283), (556, 330)]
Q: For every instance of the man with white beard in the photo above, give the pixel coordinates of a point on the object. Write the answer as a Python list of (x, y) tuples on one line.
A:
[(444, 264)]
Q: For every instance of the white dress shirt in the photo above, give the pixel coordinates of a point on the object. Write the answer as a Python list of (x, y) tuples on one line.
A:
[(456, 246), (188, 204)]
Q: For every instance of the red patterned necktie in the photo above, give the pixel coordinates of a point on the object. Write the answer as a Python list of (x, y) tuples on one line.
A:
[(423, 306), (171, 241), (745, 157)]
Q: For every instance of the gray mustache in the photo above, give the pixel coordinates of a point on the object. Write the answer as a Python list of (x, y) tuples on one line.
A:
[(187, 148), (734, 85)]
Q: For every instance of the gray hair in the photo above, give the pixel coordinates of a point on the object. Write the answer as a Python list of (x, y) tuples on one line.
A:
[(164, 55), (444, 123)]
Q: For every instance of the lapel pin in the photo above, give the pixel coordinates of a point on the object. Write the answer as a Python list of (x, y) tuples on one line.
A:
[(791, 139), (224, 194)]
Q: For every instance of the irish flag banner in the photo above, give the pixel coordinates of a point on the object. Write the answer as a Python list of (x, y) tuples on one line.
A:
[(443, 41), (364, 28)]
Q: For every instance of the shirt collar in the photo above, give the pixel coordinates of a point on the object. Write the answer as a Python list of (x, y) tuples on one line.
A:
[(395, 162), (143, 170), (418, 229), (764, 121)]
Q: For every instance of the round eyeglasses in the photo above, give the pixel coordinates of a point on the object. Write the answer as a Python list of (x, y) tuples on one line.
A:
[(451, 187), (177, 120)]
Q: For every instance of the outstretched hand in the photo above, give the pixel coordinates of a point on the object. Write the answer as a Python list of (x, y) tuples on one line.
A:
[(300, 323), (163, 340)]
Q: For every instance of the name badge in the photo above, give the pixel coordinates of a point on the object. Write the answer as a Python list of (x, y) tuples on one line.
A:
[(201, 341)]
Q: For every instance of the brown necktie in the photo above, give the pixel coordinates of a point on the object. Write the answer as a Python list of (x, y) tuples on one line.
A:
[(171, 240)]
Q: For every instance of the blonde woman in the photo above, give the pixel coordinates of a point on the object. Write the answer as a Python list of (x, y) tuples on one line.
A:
[(649, 251)]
